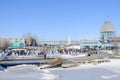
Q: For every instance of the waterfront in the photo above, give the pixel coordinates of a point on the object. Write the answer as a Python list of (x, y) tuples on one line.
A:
[(59, 40), (103, 71), (87, 74)]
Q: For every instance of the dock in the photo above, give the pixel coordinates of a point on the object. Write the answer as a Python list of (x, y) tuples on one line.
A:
[(7, 63)]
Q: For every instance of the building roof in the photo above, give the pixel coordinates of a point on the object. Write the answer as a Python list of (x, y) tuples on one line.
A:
[(107, 26)]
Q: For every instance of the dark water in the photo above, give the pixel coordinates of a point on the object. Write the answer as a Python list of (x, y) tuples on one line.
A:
[(87, 74), (1, 68)]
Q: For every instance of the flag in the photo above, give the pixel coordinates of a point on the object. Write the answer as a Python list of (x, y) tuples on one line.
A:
[(107, 17)]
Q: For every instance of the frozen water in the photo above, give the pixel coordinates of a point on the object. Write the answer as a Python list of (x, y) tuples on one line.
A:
[(103, 71), (27, 72)]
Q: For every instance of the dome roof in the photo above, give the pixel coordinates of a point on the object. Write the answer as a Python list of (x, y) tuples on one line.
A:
[(107, 26)]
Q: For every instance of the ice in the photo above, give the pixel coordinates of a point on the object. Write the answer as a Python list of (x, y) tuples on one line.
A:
[(73, 56), (2, 68), (109, 77), (113, 65), (27, 72), (45, 71), (50, 77), (32, 72)]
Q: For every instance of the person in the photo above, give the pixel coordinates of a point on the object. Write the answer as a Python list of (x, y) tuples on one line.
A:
[(89, 54), (45, 54)]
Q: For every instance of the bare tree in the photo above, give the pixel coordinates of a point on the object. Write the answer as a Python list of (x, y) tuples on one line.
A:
[(30, 39), (4, 43)]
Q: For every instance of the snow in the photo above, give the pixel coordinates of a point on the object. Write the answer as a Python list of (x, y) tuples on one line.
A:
[(109, 77), (32, 72), (73, 56), (113, 65), (27, 72)]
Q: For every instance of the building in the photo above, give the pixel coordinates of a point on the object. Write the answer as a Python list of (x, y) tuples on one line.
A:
[(90, 43), (16, 39), (107, 34), (107, 37), (16, 42), (107, 31)]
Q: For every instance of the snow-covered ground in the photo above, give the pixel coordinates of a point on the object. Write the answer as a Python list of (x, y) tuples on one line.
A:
[(103, 71), (27, 72), (113, 65), (72, 56), (65, 55)]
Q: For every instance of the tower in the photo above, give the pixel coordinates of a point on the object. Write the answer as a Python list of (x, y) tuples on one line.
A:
[(69, 40), (107, 31)]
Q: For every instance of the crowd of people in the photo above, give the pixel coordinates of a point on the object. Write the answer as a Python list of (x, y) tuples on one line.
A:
[(38, 52)]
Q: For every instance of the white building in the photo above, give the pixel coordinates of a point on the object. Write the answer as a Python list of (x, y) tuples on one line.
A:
[(89, 43)]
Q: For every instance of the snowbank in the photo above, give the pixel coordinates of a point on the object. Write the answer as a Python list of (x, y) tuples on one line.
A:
[(113, 65), (27, 72), (73, 56)]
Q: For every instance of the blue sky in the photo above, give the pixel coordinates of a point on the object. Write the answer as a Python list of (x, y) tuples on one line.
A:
[(57, 19)]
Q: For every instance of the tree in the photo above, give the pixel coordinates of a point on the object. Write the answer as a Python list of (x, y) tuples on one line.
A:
[(4, 43), (30, 39)]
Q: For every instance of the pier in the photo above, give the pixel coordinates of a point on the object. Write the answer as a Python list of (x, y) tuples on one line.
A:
[(6, 63)]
